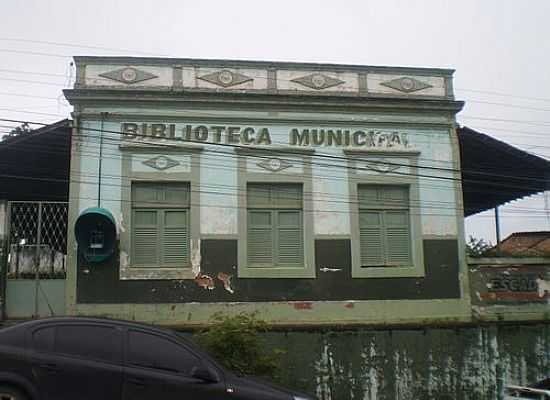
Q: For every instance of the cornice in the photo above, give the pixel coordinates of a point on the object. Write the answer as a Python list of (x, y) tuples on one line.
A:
[(260, 100), (217, 63)]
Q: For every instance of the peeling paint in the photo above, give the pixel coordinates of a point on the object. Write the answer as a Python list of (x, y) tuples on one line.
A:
[(205, 282), (123, 259), (543, 287), (226, 279), (303, 305), (196, 257), (121, 228)]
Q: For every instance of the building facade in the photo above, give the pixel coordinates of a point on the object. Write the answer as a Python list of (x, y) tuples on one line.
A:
[(310, 193)]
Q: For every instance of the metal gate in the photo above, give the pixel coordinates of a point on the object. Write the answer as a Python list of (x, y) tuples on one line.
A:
[(37, 252)]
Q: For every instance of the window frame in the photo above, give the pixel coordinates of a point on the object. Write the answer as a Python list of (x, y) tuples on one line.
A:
[(275, 226), (160, 210), (246, 177), (54, 351), (138, 154), (127, 353), (360, 177)]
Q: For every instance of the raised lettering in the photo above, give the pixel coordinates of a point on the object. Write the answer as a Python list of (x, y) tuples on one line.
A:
[(371, 139), (318, 137), (158, 130), (346, 138), (247, 135), (297, 139), (201, 133), (383, 140), (187, 133), (129, 129), (395, 140), (356, 136), (334, 137), (233, 135), (263, 137), (172, 131), (217, 131), (404, 140)]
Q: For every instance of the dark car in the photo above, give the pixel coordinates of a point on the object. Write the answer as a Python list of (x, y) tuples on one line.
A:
[(88, 358)]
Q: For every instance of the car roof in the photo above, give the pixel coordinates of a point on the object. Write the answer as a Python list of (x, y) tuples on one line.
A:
[(95, 320)]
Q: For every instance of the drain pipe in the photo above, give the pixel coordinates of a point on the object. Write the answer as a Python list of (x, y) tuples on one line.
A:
[(497, 227), (4, 251), (102, 125)]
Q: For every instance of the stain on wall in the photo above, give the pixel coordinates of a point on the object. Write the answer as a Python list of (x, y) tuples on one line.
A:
[(458, 364)]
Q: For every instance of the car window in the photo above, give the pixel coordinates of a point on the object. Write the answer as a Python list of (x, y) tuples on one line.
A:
[(152, 351), (89, 341), (43, 339)]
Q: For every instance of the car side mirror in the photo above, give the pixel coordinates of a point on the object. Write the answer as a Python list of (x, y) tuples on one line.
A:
[(204, 373)]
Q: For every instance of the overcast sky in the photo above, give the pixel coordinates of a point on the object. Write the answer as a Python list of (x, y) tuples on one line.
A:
[(500, 50)]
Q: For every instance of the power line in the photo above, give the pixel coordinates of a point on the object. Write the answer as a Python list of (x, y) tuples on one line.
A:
[(411, 174), (62, 44), (289, 152)]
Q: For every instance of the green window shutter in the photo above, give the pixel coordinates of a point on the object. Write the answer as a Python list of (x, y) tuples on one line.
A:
[(175, 238), (398, 238), (371, 238), (290, 241), (145, 240), (260, 238)]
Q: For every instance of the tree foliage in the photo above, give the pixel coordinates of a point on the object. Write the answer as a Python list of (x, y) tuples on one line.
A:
[(24, 129), (477, 247), (235, 342)]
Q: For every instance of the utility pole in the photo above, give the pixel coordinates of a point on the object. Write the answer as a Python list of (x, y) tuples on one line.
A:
[(4, 250), (497, 226)]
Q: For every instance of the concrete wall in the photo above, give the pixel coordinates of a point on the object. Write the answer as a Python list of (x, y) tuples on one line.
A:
[(21, 294), (462, 363)]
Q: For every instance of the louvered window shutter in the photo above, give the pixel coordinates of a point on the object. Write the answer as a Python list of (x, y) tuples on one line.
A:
[(145, 240), (175, 238), (384, 227), (398, 238), (371, 232), (160, 224), (290, 242), (260, 238)]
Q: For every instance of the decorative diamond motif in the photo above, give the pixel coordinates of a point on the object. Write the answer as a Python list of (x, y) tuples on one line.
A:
[(381, 166), (318, 81), (225, 78), (274, 164), (406, 84), (128, 75), (161, 163)]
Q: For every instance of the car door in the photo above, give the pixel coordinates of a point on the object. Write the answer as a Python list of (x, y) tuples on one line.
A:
[(159, 366), (78, 361)]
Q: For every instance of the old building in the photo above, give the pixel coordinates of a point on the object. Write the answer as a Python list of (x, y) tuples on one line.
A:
[(329, 198), (313, 193)]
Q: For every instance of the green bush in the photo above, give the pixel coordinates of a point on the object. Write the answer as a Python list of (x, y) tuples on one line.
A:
[(235, 342)]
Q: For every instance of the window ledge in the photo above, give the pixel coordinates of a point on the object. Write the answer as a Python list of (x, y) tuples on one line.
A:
[(389, 272), (156, 273), (276, 272)]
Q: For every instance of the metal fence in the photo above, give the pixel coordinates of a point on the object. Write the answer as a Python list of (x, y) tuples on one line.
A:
[(37, 240)]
